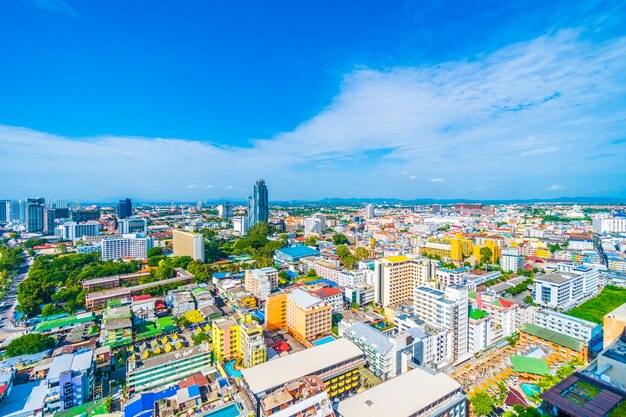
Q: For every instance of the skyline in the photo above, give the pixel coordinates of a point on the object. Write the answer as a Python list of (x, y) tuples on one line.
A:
[(502, 114)]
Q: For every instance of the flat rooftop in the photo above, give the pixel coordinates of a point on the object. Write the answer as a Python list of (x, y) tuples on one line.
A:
[(275, 373), (397, 397), (556, 277)]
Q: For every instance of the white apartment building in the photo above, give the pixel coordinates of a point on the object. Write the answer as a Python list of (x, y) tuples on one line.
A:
[(580, 244), (396, 277), (132, 225), (591, 277), (332, 296), (609, 225), (511, 260), (261, 282), (559, 290), (448, 309), (360, 294), (580, 329), (478, 331), (387, 356), (437, 346), (502, 312), (314, 224), (76, 231), (240, 225), (133, 246), (451, 276)]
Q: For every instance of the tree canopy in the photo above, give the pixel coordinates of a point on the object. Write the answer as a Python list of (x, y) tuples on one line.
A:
[(340, 239), (29, 344), (483, 404), (485, 255)]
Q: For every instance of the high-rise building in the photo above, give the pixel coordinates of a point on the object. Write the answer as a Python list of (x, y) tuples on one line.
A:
[(23, 204), (34, 215), (307, 317), (225, 210), (76, 231), (238, 339), (261, 282), (369, 211), (240, 225), (396, 277), (258, 204), (3, 211), (511, 260), (61, 204), (48, 221), (188, 244), (13, 211), (448, 309), (124, 208), (132, 225), (133, 246)]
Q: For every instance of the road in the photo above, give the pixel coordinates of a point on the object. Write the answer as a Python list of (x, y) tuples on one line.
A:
[(7, 329)]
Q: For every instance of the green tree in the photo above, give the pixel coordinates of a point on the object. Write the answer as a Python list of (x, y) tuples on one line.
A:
[(485, 255), (361, 253), (311, 240), (50, 310), (156, 251), (29, 344), (342, 251), (311, 273), (201, 337), (483, 404), (340, 239)]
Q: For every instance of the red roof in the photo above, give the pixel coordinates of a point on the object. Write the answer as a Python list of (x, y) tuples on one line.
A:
[(196, 379), (506, 303), (159, 304), (514, 397), (142, 297), (326, 292), (281, 346)]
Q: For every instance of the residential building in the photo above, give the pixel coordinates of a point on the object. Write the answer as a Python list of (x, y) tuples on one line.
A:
[(240, 225), (180, 301), (124, 208), (584, 330), (369, 211), (276, 311), (502, 312), (307, 317), (437, 348), (132, 225), (188, 244), (34, 215), (387, 356), (417, 393), (568, 347), (240, 338), (117, 327), (304, 396), (77, 231), (261, 282), (479, 326), (614, 324), (69, 382), (447, 309), (258, 205), (336, 363), (511, 260), (330, 295), (48, 221), (396, 277), (148, 374), (590, 275), (359, 294), (559, 290), (3, 211), (81, 216), (610, 364), (13, 211), (225, 211), (609, 225), (128, 246)]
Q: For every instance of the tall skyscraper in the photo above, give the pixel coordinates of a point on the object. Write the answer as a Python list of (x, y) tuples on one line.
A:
[(3, 211), (48, 221), (13, 211), (258, 206), (124, 208), (34, 215)]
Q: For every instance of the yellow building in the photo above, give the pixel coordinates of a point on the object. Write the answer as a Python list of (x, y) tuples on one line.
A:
[(307, 317), (614, 324), (396, 278), (275, 311), (495, 251), (543, 253), (188, 244), (240, 339)]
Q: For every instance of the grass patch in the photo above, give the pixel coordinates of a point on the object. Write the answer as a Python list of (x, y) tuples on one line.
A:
[(595, 309)]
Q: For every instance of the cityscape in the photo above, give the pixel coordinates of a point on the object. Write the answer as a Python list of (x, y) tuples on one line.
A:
[(312, 209)]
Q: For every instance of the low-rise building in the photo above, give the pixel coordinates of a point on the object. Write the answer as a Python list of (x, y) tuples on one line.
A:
[(417, 393), (303, 396), (330, 295), (584, 330), (570, 348)]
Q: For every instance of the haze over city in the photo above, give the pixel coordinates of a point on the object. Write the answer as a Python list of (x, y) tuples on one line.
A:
[(408, 100)]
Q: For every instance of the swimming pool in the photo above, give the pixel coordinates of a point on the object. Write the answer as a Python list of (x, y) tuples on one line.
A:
[(323, 340), (230, 410), (230, 370), (530, 389)]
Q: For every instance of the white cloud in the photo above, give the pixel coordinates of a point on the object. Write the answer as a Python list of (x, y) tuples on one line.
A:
[(191, 186), (555, 187), (209, 186), (469, 121), (229, 187), (413, 177)]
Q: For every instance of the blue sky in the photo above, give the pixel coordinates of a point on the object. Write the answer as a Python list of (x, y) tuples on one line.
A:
[(196, 99)]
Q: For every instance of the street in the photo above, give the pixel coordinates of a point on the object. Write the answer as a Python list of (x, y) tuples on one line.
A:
[(7, 329)]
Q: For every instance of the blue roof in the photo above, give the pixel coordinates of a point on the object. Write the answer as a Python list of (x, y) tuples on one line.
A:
[(325, 281), (298, 251), (194, 390), (144, 406), (291, 274)]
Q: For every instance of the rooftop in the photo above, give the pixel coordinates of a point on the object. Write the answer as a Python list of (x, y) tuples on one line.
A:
[(527, 365), (371, 336), (396, 259), (298, 251), (396, 397), (303, 298), (556, 277), (552, 336), (275, 373)]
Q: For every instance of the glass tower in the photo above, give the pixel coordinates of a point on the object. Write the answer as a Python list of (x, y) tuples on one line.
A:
[(258, 207)]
